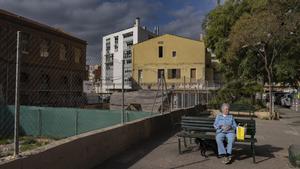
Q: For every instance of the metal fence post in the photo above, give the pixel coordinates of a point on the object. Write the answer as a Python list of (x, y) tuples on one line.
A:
[(76, 123), (17, 94), (123, 97), (7, 79), (172, 101), (207, 92), (184, 98), (162, 91), (39, 122)]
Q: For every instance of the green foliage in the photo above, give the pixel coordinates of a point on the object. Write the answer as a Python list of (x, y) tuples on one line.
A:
[(5, 141), (30, 143), (218, 23), (255, 40)]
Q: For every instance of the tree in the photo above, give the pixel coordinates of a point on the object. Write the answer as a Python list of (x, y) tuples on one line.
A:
[(256, 40), (265, 32)]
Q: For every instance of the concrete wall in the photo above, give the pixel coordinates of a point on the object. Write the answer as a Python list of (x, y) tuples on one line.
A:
[(87, 150)]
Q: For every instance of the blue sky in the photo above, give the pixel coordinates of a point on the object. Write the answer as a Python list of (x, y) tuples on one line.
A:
[(91, 19)]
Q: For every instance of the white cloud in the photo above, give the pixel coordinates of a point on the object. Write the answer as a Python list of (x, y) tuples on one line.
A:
[(87, 19), (187, 22), (91, 19)]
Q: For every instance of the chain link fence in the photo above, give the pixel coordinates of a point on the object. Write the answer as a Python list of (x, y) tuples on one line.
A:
[(51, 97), (52, 102)]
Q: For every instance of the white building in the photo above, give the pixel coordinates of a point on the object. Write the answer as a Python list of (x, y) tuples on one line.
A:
[(116, 47)]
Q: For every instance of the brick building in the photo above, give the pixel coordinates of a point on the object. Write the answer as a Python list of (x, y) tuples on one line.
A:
[(53, 63)]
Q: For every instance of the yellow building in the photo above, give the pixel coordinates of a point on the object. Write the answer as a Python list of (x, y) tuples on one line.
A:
[(180, 59)]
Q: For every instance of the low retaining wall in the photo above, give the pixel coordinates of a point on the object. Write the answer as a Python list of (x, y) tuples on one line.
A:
[(88, 150)]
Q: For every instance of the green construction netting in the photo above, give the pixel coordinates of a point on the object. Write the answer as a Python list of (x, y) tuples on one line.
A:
[(60, 122)]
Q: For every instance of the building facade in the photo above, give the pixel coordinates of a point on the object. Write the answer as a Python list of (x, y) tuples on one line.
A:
[(52, 67), (93, 84), (117, 47), (180, 60)]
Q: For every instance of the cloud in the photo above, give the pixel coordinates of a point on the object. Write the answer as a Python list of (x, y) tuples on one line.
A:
[(92, 19), (187, 22), (88, 19)]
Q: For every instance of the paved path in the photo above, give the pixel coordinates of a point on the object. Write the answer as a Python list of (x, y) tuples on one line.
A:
[(274, 137)]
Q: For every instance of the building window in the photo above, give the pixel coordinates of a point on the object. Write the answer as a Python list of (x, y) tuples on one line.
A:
[(45, 80), (77, 54), (24, 42), (173, 73), (107, 44), (24, 77), (78, 81), (129, 45), (62, 52), (160, 51), (116, 43), (65, 80), (128, 61), (127, 71), (44, 48), (128, 35), (174, 54), (193, 73), (160, 73)]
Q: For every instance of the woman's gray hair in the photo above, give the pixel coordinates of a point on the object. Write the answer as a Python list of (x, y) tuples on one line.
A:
[(224, 105)]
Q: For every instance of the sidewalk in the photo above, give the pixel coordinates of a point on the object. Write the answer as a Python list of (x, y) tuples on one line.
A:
[(273, 137)]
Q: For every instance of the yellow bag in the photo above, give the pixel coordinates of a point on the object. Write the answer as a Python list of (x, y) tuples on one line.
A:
[(241, 132)]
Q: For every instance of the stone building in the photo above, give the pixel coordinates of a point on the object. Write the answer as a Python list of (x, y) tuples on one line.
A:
[(53, 63)]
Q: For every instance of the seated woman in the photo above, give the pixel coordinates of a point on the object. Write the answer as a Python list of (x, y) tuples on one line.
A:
[(225, 126)]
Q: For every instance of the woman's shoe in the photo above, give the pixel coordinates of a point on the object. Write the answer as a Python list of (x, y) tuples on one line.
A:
[(226, 160), (229, 159)]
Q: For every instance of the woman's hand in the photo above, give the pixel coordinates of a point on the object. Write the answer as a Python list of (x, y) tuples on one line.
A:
[(226, 127)]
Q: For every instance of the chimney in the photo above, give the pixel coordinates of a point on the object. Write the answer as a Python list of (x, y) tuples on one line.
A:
[(201, 37), (157, 30), (137, 22)]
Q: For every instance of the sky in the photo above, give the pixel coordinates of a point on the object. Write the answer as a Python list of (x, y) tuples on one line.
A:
[(92, 19)]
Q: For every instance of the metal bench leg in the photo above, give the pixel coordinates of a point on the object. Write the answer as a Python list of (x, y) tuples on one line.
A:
[(179, 145), (184, 142), (253, 151)]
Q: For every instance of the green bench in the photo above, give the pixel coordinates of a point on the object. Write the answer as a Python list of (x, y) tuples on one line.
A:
[(202, 128)]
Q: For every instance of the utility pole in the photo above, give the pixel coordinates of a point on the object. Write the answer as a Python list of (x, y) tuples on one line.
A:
[(184, 92), (17, 103), (207, 92), (123, 98), (162, 91)]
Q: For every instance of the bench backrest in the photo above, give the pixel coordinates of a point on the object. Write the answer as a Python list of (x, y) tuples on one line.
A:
[(205, 124), (237, 108)]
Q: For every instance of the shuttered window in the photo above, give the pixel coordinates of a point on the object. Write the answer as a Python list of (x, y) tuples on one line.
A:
[(173, 73)]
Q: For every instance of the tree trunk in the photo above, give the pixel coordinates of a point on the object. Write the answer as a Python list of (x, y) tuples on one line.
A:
[(270, 95), (271, 101)]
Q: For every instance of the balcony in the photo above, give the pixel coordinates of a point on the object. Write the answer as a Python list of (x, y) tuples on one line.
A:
[(127, 54), (109, 59)]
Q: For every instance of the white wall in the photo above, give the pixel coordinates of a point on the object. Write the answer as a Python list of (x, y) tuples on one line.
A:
[(139, 35)]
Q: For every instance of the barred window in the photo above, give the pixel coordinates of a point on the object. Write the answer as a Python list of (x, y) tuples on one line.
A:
[(44, 48), (77, 53), (62, 52), (173, 73), (24, 42)]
